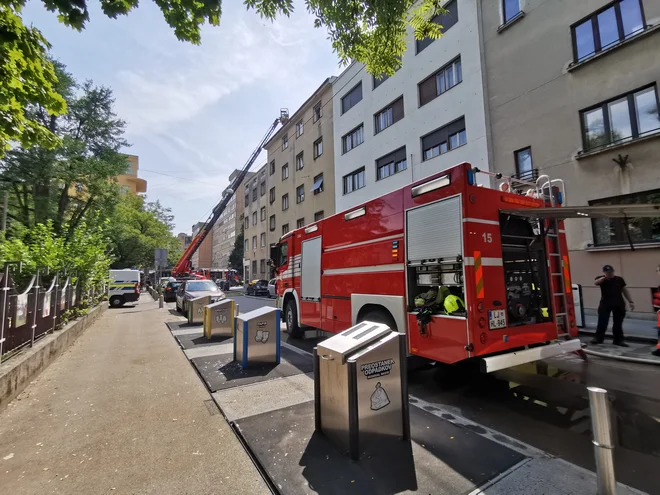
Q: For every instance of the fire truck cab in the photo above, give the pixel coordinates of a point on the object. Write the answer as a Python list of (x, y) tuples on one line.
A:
[(396, 258)]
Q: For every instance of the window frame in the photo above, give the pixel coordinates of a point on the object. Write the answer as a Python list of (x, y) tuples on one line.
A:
[(513, 17), (272, 167), (434, 76), (285, 199), (319, 190), (389, 107), (607, 125), (285, 229), (285, 168), (300, 161), (300, 223), (352, 175), (262, 240), (318, 218), (300, 128), (315, 152), (593, 17), (300, 197), (271, 223), (262, 190), (271, 195), (246, 245), (393, 162), (437, 19), (446, 141), (254, 242), (316, 116), (285, 142), (348, 93), (263, 214), (350, 133), (246, 222), (255, 218), (516, 159)]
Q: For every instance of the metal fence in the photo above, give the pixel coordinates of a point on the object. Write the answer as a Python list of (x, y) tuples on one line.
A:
[(30, 314)]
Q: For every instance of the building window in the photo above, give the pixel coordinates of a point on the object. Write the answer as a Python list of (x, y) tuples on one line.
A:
[(318, 148), (389, 115), (263, 213), (285, 171), (300, 163), (510, 9), (300, 128), (271, 195), (391, 164), (352, 139), (607, 27), (443, 80), (445, 139), (254, 218), (285, 202), (318, 184), (446, 21), (272, 223), (318, 216), (524, 165), (354, 181), (613, 231), (318, 112), (263, 239), (272, 167), (351, 98), (247, 222), (300, 194), (254, 242), (247, 245), (254, 193), (254, 268), (620, 119), (262, 265), (247, 198), (263, 188), (300, 223), (285, 229), (285, 142)]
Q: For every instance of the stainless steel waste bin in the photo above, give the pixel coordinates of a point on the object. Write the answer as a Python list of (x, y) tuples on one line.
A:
[(360, 389), (196, 309), (219, 318), (257, 337)]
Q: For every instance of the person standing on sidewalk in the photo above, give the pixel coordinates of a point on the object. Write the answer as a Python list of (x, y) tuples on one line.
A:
[(612, 291)]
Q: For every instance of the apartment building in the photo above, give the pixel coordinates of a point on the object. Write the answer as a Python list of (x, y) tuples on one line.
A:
[(130, 182), (255, 218), (184, 240), (572, 93), (229, 225), (300, 178), (427, 117), (201, 259)]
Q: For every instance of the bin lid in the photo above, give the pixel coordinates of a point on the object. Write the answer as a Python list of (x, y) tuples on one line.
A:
[(217, 304), (355, 338), (257, 313)]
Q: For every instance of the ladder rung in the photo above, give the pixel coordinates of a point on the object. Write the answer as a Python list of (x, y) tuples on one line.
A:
[(557, 274), (560, 314), (554, 254), (556, 294), (551, 235)]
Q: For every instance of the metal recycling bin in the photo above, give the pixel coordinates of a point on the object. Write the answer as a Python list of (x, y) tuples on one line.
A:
[(219, 318), (360, 387), (196, 309), (257, 337)]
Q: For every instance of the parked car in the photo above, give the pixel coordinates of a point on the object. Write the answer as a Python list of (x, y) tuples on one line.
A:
[(191, 289), (169, 295), (257, 288), (272, 288)]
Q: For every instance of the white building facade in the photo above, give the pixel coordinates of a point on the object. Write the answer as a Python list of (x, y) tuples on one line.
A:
[(427, 117)]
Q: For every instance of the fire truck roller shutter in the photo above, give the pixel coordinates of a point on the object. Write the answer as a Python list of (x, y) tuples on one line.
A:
[(444, 240), (310, 283)]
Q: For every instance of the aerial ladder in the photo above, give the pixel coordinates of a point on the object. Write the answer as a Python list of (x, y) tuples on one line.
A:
[(184, 265)]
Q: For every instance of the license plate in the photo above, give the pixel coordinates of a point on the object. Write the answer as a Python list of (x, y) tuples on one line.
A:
[(496, 319)]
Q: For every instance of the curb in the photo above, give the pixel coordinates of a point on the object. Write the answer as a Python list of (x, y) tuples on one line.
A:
[(18, 372), (622, 358), (643, 339)]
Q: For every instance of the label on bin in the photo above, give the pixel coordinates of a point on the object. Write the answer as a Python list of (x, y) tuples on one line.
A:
[(262, 336), (379, 399), (377, 368)]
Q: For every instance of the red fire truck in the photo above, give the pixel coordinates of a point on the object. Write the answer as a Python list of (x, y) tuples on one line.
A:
[(448, 234)]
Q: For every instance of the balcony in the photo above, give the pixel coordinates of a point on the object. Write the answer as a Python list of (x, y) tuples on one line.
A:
[(528, 175)]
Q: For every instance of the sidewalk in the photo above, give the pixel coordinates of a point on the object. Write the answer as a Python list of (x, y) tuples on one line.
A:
[(633, 328), (122, 412)]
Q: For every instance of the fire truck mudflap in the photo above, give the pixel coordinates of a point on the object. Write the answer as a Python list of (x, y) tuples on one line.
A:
[(509, 359)]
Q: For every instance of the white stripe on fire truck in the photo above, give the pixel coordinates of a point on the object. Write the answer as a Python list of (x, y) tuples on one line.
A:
[(484, 261), (365, 269), (479, 220), (364, 243)]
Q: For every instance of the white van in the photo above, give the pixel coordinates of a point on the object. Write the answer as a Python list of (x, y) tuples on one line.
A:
[(124, 287)]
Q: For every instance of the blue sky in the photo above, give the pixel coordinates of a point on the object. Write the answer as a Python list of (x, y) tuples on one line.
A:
[(194, 112)]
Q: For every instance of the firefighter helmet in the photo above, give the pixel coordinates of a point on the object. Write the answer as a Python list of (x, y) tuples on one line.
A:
[(453, 303)]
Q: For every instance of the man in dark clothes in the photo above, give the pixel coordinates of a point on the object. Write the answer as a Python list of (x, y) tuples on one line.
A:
[(612, 291)]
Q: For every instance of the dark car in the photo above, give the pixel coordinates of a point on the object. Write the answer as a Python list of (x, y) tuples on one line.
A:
[(258, 288), (169, 294), (192, 289)]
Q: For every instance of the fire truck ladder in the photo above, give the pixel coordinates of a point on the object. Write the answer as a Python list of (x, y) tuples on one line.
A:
[(184, 264), (549, 189)]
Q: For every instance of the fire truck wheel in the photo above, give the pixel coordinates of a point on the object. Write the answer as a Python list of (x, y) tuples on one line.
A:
[(292, 320)]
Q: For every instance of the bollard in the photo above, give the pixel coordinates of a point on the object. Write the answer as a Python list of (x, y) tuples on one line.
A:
[(161, 300), (603, 443)]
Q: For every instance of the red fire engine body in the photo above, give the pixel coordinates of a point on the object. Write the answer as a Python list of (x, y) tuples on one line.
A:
[(372, 261)]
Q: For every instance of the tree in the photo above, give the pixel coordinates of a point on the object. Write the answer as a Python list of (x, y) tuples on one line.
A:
[(368, 31), (65, 183), (236, 255)]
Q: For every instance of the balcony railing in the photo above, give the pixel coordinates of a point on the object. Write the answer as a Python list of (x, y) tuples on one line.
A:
[(528, 175)]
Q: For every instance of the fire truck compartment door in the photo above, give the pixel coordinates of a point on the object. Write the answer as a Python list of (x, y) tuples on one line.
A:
[(310, 285), (435, 230)]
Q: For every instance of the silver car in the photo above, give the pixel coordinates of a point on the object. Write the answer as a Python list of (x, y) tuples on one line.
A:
[(271, 288), (192, 289)]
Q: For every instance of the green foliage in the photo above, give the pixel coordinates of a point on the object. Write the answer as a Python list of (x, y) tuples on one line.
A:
[(236, 255), (27, 78)]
